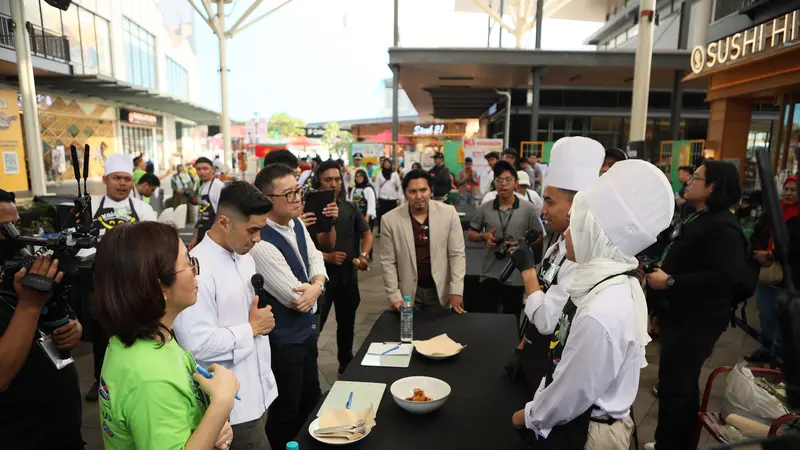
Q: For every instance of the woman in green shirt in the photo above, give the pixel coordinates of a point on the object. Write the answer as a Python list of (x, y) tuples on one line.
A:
[(150, 394)]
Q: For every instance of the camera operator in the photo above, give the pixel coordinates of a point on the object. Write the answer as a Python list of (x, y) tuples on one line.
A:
[(499, 223), (40, 406)]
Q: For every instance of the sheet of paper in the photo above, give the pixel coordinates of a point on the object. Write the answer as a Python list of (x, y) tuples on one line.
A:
[(440, 345), (379, 348), (364, 396)]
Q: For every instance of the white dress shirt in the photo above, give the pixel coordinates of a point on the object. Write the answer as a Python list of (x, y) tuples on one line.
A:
[(486, 181), (599, 366), (278, 277), (216, 329), (544, 309), (389, 190)]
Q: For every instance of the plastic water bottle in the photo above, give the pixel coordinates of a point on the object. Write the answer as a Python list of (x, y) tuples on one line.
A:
[(406, 320), (292, 446)]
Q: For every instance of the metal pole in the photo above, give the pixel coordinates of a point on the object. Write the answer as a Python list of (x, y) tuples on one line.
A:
[(537, 76), (395, 86), (677, 87), (641, 71), (225, 123), (30, 110), (508, 117), (539, 7), (500, 35)]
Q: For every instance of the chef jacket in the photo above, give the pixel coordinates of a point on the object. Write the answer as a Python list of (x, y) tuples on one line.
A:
[(544, 309), (217, 329), (599, 366)]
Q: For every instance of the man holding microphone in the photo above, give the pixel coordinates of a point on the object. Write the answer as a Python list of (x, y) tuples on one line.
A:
[(226, 326)]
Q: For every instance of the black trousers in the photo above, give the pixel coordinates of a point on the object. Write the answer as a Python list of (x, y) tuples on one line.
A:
[(684, 349), (99, 345), (295, 370), (499, 297), (384, 206), (342, 293)]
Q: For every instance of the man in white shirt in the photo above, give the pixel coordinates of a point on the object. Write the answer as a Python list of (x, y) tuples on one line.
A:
[(294, 277), (115, 208), (598, 348), (575, 163), (226, 326), (487, 178), (208, 198)]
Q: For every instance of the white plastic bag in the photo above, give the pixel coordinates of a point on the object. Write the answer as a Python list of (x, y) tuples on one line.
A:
[(744, 397)]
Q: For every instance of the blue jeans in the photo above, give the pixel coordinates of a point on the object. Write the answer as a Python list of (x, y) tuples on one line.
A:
[(767, 304)]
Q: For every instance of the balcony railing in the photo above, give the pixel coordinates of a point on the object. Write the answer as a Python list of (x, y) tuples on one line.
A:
[(44, 43)]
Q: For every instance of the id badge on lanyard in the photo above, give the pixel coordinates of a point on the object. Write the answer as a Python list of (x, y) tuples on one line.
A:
[(53, 354), (550, 273)]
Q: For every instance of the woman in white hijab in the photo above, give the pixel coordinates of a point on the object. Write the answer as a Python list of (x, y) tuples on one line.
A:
[(598, 346)]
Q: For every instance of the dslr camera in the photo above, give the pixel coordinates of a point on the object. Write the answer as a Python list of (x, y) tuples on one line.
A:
[(503, 246), (77, 270)]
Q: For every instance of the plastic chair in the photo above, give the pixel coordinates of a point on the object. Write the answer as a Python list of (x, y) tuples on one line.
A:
[(713, 421), (180, 216), (167, 215)]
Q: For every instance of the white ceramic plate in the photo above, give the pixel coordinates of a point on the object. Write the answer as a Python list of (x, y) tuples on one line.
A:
[(314, 426)]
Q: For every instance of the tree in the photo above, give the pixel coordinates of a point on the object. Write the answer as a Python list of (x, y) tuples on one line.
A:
[(286, 125), (337, 140)]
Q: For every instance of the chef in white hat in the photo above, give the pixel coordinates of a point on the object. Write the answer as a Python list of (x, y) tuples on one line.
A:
[(118, 206), (598, 346), (574, 166)]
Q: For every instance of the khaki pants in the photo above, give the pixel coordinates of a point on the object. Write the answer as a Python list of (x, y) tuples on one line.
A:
[(616, 436)]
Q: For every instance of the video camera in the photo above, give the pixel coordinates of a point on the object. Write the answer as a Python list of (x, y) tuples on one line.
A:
[(65, 248), (531, 237)]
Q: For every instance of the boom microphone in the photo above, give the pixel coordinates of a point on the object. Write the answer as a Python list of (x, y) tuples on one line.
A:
[(258, 286), (76, 169)]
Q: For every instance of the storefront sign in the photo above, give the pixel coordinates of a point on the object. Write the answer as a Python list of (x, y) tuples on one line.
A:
[(776, 33), (139, 118), (314, 132), (429, 130), (477, 150), (12, 155)]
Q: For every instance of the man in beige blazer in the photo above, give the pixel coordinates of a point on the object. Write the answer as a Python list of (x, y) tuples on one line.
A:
[(422, 249)]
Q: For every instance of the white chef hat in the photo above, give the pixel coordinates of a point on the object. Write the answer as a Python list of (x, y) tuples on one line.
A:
[(633, 202), (575, 163), (119, 163)]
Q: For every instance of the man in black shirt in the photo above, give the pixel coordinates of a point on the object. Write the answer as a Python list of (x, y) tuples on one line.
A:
[(341, 264), (441, 177), (40, 406)]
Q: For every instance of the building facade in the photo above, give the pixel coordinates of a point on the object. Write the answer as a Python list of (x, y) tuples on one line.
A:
[(119, 75)]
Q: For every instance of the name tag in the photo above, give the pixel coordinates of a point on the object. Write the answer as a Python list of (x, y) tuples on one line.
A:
[(550, 274)]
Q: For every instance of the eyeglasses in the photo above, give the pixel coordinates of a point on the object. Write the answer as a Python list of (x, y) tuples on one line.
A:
[(423, 233), (507, 180), (291, 196), (194, 265), (694, 178)]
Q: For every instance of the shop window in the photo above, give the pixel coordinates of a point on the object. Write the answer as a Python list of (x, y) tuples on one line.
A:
[(103, 46), (5, 8), (32, 12), (51, 18), (72, 31), (559, 123), (88, 41), (620, 39)]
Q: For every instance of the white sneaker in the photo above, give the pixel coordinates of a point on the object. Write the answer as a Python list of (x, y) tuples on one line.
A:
[(650, 446)]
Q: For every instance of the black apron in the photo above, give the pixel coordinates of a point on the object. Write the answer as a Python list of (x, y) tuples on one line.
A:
[(108, 218), (573, 434), (535, 360), (206, 211), (360, 199)]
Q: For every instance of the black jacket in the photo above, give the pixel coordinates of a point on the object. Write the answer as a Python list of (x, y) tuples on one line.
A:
[(712, 269)]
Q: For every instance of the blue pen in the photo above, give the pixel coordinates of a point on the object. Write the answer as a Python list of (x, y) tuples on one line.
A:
[(207, 374), (349, 400), (391, 349)]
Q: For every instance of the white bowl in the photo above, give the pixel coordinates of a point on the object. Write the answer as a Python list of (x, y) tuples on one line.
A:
[(434, 388)]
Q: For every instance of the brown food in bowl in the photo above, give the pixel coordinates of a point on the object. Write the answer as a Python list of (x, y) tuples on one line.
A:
[(419, 396)]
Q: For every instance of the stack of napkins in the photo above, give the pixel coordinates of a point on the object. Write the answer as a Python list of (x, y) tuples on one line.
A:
[(340, 425), (441, 345)]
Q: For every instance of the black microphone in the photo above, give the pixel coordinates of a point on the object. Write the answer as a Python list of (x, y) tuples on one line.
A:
[(531, 236), (86, 152), (75, 167), (258, 286)]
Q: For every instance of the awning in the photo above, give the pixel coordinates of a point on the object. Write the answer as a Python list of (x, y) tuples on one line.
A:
[(124, 93)]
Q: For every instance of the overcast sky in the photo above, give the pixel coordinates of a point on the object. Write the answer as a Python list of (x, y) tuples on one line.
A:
[(324, 60)]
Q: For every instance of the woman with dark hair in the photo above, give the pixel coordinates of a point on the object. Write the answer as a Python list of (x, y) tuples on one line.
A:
[(704, 271), (389, 189), (363, 195), (150, 393), (763, 248)]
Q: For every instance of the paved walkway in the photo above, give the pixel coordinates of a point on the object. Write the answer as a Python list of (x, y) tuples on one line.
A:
[(731, 346)]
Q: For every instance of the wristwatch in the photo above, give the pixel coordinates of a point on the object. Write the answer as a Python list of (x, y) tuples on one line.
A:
[(670, 281), (365, 255), (321, 286)]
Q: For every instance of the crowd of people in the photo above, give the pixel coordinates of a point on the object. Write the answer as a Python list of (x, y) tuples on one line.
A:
[(248, 297)]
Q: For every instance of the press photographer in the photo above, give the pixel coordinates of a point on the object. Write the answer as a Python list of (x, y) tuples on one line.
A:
[(40, 405)]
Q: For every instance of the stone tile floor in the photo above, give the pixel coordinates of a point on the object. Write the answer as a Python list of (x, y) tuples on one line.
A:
[(733, 344)]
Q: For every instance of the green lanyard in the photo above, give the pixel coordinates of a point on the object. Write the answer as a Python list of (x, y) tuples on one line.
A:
[(692, 217)]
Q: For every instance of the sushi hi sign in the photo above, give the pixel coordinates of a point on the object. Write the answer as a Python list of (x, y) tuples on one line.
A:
[(779, 32)]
